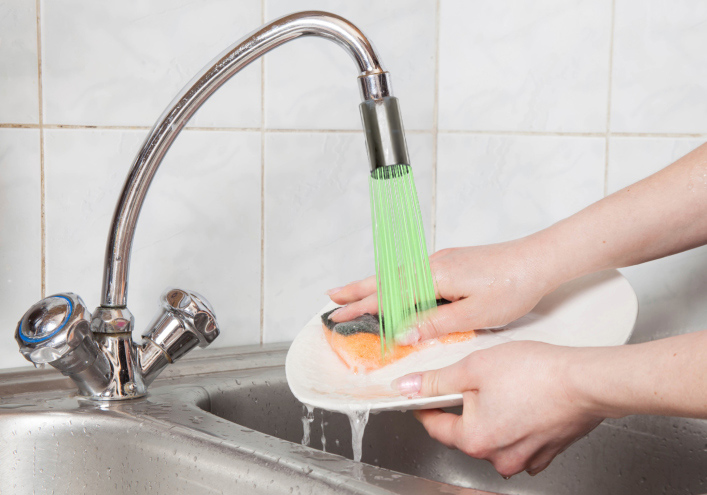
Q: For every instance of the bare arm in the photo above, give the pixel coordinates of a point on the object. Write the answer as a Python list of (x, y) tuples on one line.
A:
[(663, 214), (665, 377)]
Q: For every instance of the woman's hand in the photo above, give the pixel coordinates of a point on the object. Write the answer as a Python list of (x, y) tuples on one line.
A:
[(519, 411), (489, 286)]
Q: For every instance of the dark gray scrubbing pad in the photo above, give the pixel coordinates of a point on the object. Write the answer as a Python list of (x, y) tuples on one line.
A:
[(366, 323)]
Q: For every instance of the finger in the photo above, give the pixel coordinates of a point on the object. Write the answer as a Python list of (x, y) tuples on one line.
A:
[(443, 320), (453, 379), (354, 310), (441, 426), (354, 291), (459, 316)]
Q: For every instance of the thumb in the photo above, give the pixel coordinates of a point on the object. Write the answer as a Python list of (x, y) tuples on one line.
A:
[(453, 379)]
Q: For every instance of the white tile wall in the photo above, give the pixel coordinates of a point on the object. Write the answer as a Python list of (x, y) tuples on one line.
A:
[(20, 246), (121, 63), (18, 62), (520, 113), (513, 65), (659, 68), (498, 188)]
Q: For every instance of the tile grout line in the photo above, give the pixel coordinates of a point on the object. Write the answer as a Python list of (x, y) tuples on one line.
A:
[(523, 133), (435, 129), (608, 100), (42, 184), (262, 185), (666, 135)]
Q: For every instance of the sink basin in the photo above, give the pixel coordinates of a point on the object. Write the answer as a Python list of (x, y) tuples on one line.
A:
[(225, 421), (629, 456)]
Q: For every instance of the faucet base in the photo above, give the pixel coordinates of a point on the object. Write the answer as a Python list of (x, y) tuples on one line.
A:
[(126, 381)]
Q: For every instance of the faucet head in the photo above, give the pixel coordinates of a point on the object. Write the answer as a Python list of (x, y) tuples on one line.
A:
[(385, 136)]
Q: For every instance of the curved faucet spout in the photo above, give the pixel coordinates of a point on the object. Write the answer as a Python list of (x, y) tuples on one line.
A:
[(375, 89)]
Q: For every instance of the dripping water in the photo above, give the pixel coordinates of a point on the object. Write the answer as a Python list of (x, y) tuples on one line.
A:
[(307, 420), (323, 437), (358, 420)]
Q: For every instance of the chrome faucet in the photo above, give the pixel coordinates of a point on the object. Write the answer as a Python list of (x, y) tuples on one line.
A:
[(96, 350)]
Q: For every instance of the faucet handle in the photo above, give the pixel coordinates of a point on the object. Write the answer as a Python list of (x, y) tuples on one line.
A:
[(185, 320), (53, 327), (57, 330)]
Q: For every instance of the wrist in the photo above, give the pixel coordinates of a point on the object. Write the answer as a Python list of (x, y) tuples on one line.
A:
[(588, 382), (544, 263)]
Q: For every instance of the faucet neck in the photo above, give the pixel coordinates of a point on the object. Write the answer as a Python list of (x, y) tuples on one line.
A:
[(374, 85)]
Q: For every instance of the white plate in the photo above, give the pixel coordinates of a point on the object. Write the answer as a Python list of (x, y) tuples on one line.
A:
[(596, 310)]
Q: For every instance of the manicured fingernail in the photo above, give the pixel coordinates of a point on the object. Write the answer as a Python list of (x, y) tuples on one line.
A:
[(410, 337), (333, 291), (337, 312), (505, 477), (408, 385)]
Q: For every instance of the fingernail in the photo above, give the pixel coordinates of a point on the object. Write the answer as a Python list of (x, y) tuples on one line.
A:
[(333, 291), (336, 312), (408, 385), (410, 337)]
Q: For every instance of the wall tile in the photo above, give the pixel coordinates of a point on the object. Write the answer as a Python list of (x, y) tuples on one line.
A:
[(121, 63), (496, 188), (659, 78), (524, 66), (18, 62), (199, 227), (318, 220), (311, 83), (20, 234), (671, 291)]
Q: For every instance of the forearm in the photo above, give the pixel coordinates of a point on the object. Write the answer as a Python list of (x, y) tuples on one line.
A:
[(664, 377), (665, 213)]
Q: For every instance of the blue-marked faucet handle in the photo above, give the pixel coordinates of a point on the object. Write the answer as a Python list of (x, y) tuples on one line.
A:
[(57, 330)]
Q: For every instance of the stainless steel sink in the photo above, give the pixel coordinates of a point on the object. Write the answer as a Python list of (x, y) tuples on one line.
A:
[(226, 422)]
